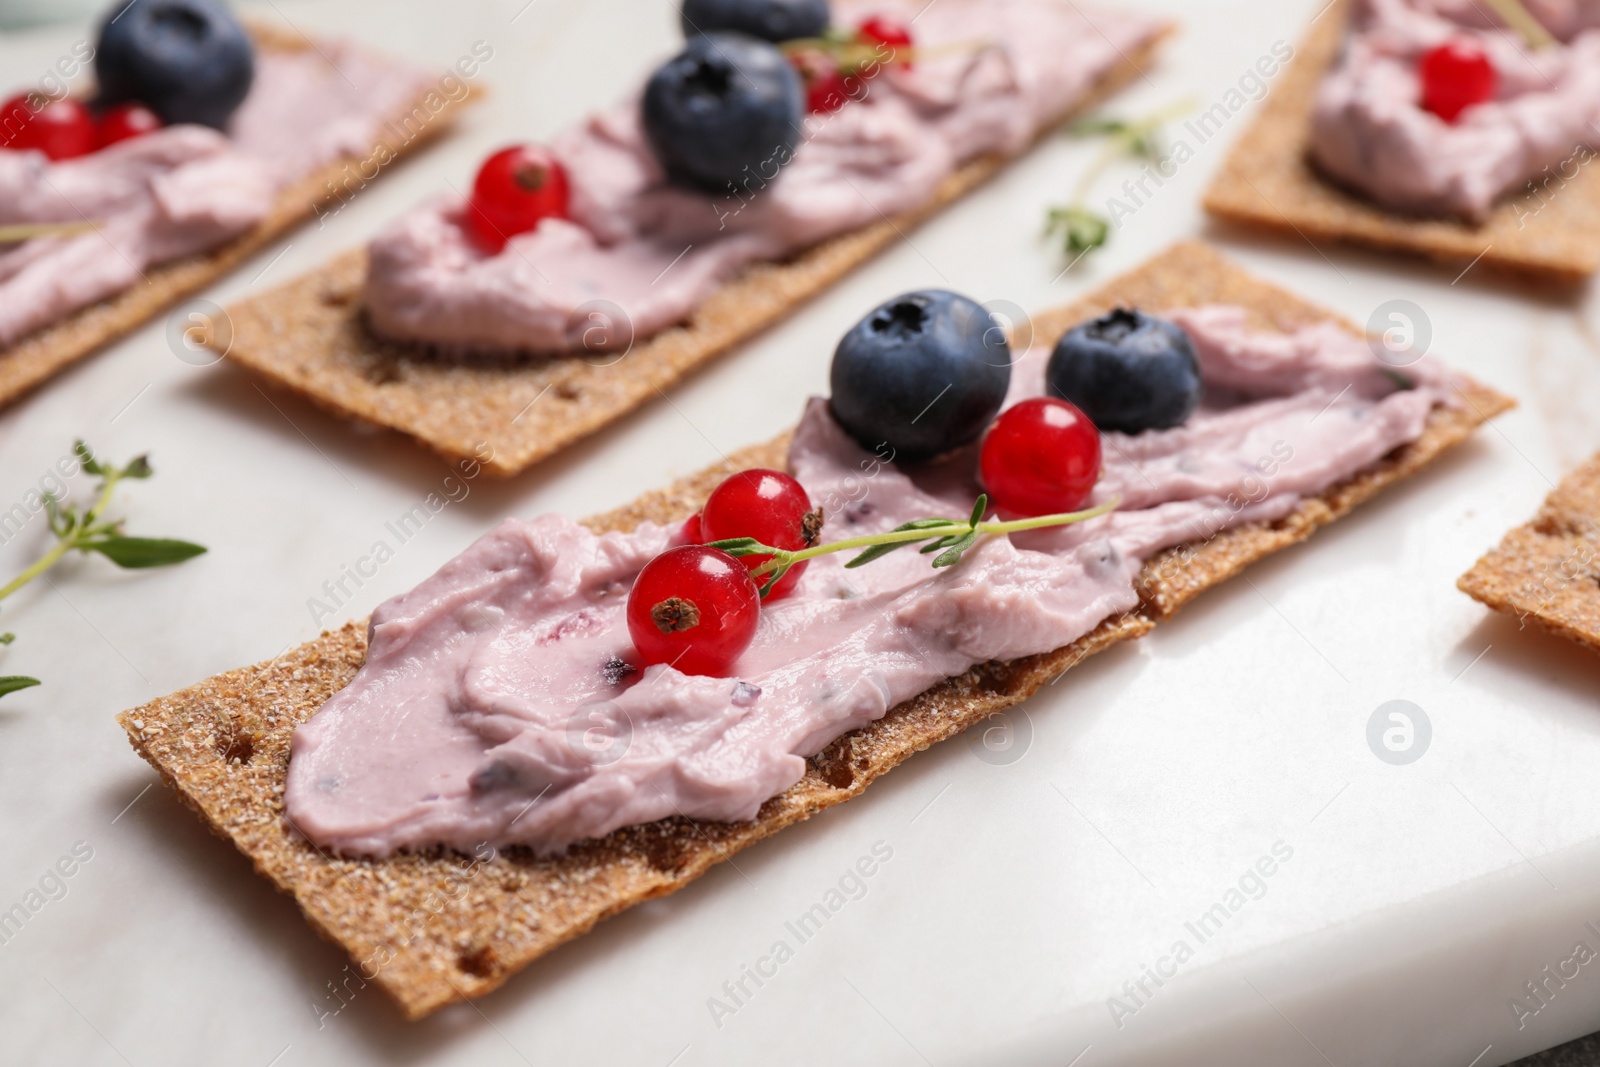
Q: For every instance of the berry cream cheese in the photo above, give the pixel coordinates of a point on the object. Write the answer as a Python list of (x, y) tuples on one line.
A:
[(988, 77), (187, 189), (1371, 132), (496, 703)]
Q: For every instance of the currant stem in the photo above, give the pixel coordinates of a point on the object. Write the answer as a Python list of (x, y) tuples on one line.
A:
[(783, 558)]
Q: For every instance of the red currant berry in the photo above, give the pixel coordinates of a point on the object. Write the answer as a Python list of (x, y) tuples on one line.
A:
[(895, 35), (691, 530), (515, 189), (124, 122), (826, 89), (695, 609), (1042, 457), (771, 507), (1455, 76), (61, 129)]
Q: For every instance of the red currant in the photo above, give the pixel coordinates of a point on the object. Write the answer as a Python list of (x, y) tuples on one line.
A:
[(691, 530), (695, 609), (124, 122), (771, 507), (515, 189), (1041, 457), (1455, 76), (61, 129), (826, 90), (881, 29)]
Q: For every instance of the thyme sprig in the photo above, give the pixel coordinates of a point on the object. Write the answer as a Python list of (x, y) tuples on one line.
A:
[(950, 538), (91, 531), (1080, 228)]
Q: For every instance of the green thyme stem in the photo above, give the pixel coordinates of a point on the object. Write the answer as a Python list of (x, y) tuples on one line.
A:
[(781, 558), (88, 531), (1125, 140), (48, 560), (1081, 228)]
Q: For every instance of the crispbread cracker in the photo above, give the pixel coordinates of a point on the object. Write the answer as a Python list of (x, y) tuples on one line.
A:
[(1548, 571), (40, 355), (1267, 181), (309, 336), (224, 744)]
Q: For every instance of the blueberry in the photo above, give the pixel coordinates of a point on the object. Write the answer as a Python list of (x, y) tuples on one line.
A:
[(187, 60), (725, 110), (922, 374), (774, 20), (1128, 371)]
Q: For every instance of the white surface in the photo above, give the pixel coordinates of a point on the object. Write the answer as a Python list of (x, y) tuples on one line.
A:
[(1020, 897)]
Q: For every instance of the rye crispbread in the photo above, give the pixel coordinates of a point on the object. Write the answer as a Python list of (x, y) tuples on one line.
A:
[(1552, 233), (1548, 572), (441, 935), (309, 336), (39, 356)]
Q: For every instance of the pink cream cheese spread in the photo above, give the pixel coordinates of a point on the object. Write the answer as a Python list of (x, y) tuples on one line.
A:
[(186, 189), (495, 705), (1370, 132), (990, 75)]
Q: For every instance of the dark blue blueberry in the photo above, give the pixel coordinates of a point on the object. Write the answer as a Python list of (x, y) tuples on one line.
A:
[(724, 113), (774, 20), (1127, 371), (187, 60), (923, 374)]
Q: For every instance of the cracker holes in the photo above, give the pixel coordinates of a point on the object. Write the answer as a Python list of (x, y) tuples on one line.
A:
[(239, 747), (665, 853), (993, 678), (838, 773), (383, 372), (1554, 524), (480, 962), (839, 765)]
